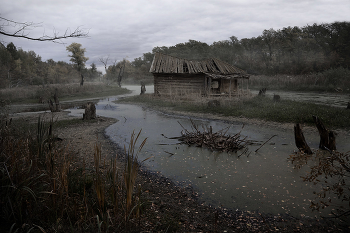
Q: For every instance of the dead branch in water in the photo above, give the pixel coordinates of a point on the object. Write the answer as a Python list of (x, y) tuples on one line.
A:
[(265, 143)]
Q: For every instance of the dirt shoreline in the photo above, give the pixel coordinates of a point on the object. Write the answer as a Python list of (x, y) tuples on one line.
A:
[(170, 206)]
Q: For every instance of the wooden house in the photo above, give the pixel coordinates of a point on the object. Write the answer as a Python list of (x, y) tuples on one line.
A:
[(210, 77)]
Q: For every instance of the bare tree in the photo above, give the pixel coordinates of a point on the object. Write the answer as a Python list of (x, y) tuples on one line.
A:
[(20, 30), (104, 61), (121, 73)]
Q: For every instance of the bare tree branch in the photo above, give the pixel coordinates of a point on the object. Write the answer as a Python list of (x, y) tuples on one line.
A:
[(104, 61), (21, 31)]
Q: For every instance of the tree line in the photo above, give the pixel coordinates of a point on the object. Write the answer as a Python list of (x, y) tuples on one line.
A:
[(22, 68), (290, 51)]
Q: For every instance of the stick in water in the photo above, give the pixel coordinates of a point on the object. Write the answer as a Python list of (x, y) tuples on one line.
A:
[(265, 143)]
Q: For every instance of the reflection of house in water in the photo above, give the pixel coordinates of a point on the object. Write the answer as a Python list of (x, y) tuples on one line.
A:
[(210, 77)]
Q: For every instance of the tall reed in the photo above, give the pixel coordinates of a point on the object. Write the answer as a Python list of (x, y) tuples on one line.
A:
[(30, 177), (115, 186), (44, 187), (99, 180), (131, 168), (33, 93)]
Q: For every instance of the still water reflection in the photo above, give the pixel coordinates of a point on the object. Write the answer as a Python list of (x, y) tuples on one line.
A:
[(264, 181)]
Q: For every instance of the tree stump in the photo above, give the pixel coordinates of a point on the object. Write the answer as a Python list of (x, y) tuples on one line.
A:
[(327, 137), (300, 140), (41, 100), (262, 92), (276, 98), (82, 80), (57, 102), (143, 89), (54, 107), (90, 111)]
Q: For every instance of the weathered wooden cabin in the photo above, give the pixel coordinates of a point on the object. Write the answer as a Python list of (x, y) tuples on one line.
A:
[(210, 77)]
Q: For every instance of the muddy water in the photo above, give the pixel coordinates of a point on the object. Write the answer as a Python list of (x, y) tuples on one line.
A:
[(264, 181)]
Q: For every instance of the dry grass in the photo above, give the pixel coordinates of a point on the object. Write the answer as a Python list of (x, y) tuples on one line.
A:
[(131, 169), (33, 175), (33, 93), (329, 80), (43, 186)]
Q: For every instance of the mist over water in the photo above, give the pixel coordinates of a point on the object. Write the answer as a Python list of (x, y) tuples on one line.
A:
[(263, 181)]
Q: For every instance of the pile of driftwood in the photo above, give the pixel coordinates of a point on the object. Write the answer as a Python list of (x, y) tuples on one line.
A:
[(218, 141)]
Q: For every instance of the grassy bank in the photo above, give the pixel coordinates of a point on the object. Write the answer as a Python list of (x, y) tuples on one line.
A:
[(332, 80), (285, 111), (34, 94)]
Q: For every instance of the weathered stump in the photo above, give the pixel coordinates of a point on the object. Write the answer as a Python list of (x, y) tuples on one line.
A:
[(90, 111), (327, 137), (57, 102), (54, 107), (213, 103), (262, 92), (300, 140), (82, 80), (41, 100), (143, 89), (276, 98)]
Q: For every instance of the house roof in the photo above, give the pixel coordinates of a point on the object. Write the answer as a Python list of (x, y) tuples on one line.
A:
[(212, 67)]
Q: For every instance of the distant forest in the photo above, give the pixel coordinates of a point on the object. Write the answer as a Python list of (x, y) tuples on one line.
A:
[(289, 51)]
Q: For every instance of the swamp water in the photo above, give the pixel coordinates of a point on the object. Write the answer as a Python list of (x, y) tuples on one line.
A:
[(265, 181)]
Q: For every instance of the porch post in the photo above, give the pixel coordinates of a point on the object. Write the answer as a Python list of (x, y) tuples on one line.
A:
[(230, 89), (209, 86)]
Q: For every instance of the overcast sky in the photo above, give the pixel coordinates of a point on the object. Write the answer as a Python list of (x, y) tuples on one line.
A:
[(129, 28)]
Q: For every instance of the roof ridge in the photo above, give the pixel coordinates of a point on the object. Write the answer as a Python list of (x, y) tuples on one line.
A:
[(163, 63)]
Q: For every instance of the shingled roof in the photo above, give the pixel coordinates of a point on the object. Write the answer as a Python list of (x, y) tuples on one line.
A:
[(213, 67)]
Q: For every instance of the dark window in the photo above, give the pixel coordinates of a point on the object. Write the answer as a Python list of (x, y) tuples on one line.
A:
[(185, 68)]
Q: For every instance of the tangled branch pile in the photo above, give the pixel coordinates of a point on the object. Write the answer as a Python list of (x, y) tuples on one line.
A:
[(218, 141)]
